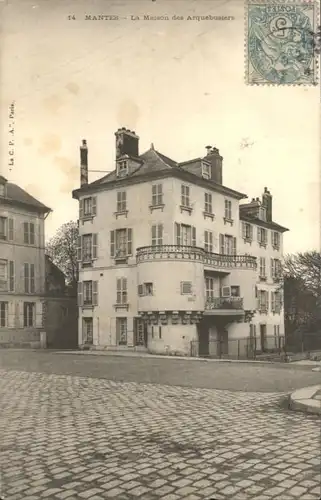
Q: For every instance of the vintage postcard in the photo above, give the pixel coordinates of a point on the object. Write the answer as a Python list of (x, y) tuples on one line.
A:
[(160, 261)]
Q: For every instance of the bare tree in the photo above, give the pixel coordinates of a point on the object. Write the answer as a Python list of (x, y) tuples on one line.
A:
[(62, 249)]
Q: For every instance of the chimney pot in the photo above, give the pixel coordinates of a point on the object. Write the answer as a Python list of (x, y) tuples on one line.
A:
[(84, 143)]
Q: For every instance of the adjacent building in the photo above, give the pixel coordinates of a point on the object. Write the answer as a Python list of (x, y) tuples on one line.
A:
[(22, 266), (171, 262)]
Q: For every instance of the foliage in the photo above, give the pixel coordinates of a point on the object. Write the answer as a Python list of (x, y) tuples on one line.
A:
[(302, 291), (62, 249)]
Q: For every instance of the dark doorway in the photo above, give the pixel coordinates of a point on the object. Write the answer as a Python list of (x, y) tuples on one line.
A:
[(203, 338), (222, 336)]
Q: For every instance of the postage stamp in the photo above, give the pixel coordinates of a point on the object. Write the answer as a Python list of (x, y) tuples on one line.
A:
[(281, 46)]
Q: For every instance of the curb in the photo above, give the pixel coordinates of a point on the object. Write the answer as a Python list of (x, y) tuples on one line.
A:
[(303, 400)]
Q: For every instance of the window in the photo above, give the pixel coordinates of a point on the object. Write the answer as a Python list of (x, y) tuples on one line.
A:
[(87, 247), (186, 287), (276, 302), (208, 208), (209, 288), (262, 236), (121, 243), (121, 331), (3, 275), (227, 244), (157, 235), (28, 314), (252, 331), (276, 240), (121, 295), (122, 168), (121, 201), (263, 301), (88, 331), (3, 314), (145, 289), (228, 210), (206, 170), (157, 195), (262, 267), (87, 207), (3, 228), (90, 292), (185, 235), (247, 231), (1, 189), (235, 291), (29, 233), (29, 278), (11, 276), (208, 241), (140, 332), (276, 269), (185, 193)]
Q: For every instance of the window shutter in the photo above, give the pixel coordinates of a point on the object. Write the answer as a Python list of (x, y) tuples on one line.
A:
[(258, 234), (81, 209), (95, 293), (79, 298), (234, 246), (251, 231), (206, 237), (79, 249), (193, 236), (267, 301), (178, 233), (129, 241), (272, 268), (10, 230), (32, 278), (112, 243), (32, 233), (26, 277), (11, 276), (160, 232), (153, 234), (140, 290), (222, 243), (243, 230), (95, 245), (26, 232), (94, 205)]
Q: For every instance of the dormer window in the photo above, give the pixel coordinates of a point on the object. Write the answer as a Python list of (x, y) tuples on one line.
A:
[(206, 170), (122, 168), (262, 213)]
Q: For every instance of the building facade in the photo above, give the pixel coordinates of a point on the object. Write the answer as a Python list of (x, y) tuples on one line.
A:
[(164, 261), (22, 266)]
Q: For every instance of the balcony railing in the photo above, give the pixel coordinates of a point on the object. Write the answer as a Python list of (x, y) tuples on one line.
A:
[(235, 303), (168, 252)]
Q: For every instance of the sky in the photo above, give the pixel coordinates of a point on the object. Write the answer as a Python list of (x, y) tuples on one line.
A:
[(179, 84)]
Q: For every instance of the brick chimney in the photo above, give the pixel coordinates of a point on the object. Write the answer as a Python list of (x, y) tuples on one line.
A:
[(127, 143), (267, 203), (83, 163), (216, 160)]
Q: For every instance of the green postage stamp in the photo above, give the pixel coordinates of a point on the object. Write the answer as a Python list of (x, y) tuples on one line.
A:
[(282, 42)]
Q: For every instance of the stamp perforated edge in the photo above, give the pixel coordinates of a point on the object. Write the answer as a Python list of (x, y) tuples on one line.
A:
[(316, 57)]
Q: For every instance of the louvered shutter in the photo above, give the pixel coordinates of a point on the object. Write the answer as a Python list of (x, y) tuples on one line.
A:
[(234, 246), (112, 243), (95, 245), (193, 236), (95, 293), (32, 278), (243, 230), (11, 276), (26, 277), (32, 233), (79, 249), (26, 232), (222, 244), (94, 205), (178, 233), (81, 209), (79, 294), (129, 241), (10, 230)]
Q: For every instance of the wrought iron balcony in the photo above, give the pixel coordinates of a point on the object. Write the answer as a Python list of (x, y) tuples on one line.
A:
[(235, 303), (171, 252)]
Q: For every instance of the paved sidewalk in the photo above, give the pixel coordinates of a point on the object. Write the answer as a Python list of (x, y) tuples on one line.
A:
[(138, 354), (307, 399), (79, 438)]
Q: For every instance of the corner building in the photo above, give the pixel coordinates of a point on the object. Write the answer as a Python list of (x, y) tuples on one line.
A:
[(169, 260)]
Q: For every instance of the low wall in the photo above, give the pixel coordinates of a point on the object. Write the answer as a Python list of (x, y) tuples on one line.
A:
[(11, 337)]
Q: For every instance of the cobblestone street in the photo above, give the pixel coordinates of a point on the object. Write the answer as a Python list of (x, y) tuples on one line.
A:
[(69, 437)]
